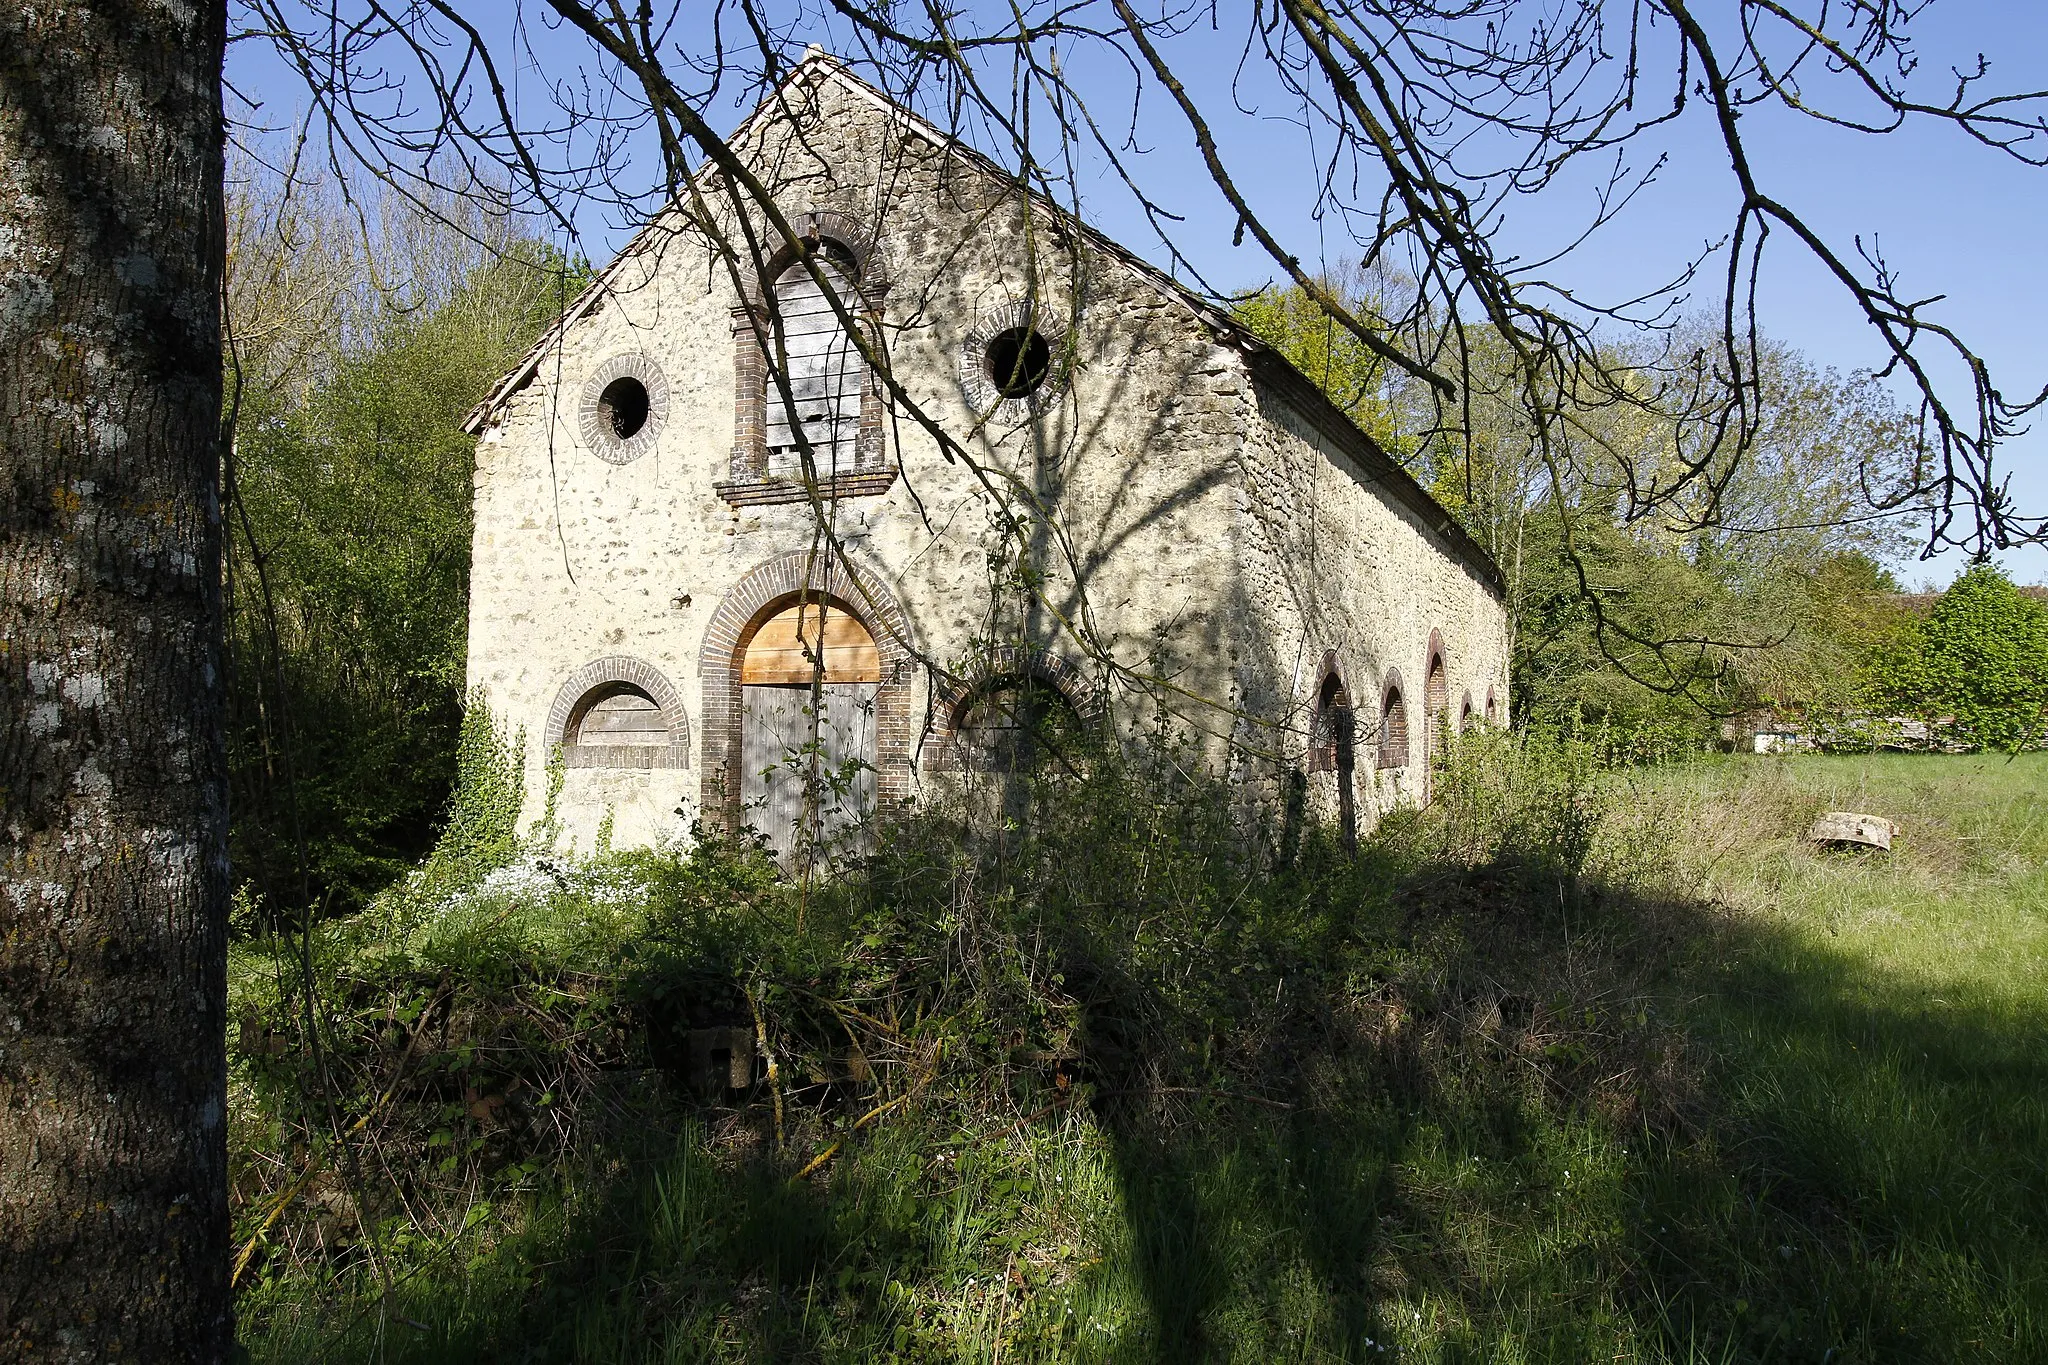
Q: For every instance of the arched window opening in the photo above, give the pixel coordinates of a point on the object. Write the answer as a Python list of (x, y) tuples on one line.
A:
[(1332, 728), (1012, 723), (1436, 692), (1467, 714), (619, 713), (1393, 729), (1492, 716), (1332, 734), (825, 369)]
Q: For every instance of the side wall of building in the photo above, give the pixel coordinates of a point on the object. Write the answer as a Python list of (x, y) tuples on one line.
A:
[(1339, 573)]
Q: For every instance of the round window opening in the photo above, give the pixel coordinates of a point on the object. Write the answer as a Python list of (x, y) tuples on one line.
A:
[(624, 407), (1019, 360)]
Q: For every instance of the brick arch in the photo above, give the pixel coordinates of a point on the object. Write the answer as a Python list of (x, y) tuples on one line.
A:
[(610, 671), (1393, 722), (763, 591), (1436, 704), (871, 270), (1467, 712), (1322, 737), (1006, 663)]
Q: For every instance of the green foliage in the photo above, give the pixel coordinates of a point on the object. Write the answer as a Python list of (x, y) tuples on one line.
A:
[(481, 834), (1529, 799), (1355, 379), (1574, 1064), (1977, 666), (349, 572), (1639, 605)]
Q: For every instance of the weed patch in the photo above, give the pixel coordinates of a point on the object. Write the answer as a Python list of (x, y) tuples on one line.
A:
[(1566, 1067)]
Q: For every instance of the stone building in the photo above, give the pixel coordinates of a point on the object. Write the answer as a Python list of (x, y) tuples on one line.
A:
[(1040, 476)]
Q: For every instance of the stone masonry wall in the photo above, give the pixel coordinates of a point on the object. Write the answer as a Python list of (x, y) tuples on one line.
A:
[(1332, 565), (1171, 516)]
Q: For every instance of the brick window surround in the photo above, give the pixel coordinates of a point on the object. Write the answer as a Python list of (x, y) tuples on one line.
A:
[(1002, 665), (598, 679), (763, 592), (1393, 748), (1436, 683), (1328, 714), (753, 340)]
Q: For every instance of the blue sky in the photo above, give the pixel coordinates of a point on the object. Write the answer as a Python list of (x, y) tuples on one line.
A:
[(1953, 218)]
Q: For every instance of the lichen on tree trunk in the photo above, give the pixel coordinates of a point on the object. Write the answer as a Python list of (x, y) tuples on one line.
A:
[(113, 1206)]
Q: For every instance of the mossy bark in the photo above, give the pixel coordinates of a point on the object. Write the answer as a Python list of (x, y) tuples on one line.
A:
[(113, 1200)]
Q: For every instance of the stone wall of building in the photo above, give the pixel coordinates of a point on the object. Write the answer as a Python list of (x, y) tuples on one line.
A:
[(1341, 575), (1154, 508)]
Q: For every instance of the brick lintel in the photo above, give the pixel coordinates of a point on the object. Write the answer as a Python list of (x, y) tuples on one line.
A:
[(767, 492)]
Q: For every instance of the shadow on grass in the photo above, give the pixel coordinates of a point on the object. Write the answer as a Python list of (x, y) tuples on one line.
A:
[(1426, 1112)]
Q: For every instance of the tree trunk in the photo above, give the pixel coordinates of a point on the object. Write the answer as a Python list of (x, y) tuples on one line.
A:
[(113, 1156)]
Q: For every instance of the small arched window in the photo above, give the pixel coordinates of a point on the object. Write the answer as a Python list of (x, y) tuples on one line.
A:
[(619, 712), (1492, 716), (1393, 728), (1010, 723), (1331, 728), (1467, 714), (617, 726), (824, 368)]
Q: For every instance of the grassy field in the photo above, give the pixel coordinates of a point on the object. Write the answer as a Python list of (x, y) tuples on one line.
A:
[(1874, 1039), (1681, 1088)]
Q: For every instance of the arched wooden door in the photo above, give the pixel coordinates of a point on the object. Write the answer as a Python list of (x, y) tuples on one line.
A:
[(807, 730)]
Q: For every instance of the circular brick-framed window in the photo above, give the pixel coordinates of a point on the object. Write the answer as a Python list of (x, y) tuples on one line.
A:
[(625, 403), (1015, 362)]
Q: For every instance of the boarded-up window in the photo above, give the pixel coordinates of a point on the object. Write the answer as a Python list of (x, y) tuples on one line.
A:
[(790, 646), (619, 726), (825, 373)]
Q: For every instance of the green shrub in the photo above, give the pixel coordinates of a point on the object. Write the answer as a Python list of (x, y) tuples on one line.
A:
[(1980, 662)]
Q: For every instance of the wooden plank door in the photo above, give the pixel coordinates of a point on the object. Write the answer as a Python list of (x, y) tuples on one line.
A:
[(802, 795)]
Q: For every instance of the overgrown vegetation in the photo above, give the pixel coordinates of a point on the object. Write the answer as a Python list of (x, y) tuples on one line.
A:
[(1975, 667), (1578, 1063), (361, 332)]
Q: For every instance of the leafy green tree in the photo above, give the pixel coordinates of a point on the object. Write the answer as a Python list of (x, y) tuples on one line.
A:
[(1636, 604), (1979, 662), (350, 565), (1360, 383)]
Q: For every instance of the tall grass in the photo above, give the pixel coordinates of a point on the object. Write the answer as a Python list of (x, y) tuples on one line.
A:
[(1579, 1063)]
